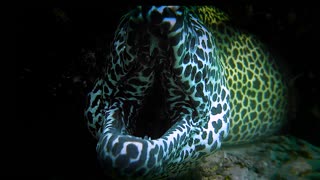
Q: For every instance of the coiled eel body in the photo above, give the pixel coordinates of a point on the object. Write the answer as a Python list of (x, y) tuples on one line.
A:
[(219, 86)]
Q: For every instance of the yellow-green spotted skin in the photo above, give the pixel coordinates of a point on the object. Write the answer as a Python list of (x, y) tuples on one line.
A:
[(257, 88), (221, 86)]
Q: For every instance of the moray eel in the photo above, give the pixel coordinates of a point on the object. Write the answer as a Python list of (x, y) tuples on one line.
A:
[(219, 86)]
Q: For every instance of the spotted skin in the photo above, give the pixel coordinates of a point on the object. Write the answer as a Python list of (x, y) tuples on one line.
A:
[(182, 49), (258, 90)]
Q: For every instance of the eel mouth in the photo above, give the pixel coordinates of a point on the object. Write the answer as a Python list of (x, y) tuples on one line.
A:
[(153, 119), (150, 144)]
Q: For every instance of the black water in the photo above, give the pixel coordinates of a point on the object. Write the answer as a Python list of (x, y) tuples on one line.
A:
[(49, 135)]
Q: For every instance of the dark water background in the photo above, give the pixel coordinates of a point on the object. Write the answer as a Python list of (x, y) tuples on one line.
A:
[(54, 71)]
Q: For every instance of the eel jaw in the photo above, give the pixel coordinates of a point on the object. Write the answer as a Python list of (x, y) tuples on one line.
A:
[(135, 156), (128, 155)]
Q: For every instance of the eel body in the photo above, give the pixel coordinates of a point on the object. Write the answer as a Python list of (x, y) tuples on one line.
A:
[(218, 86)]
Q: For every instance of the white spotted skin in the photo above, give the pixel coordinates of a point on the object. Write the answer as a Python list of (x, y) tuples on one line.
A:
[(198, 99)]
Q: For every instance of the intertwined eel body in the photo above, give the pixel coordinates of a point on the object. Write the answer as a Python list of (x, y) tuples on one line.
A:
[(213, 78)]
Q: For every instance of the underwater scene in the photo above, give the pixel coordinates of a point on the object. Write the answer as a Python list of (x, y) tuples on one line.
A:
[(226, 90)]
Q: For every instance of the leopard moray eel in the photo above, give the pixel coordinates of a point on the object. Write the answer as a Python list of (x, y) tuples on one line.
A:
[(220, 85)]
